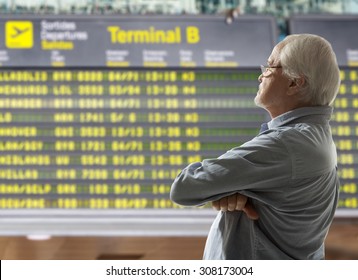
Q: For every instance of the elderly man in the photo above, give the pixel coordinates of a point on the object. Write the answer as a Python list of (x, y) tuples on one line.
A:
[(285, 179)]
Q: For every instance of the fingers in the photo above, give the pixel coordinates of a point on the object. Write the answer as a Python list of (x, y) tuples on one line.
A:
[(251, 212), (236, 202), (224, 204), (240, 202), (216, 205), (230, 203)]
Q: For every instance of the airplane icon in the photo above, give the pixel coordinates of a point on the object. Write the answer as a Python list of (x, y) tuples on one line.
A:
[(19, 31), (19, 34)]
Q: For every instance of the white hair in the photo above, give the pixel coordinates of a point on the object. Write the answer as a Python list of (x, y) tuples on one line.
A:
[(311, 57)]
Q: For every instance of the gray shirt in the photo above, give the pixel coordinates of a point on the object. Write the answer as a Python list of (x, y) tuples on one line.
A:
[(288, 172)]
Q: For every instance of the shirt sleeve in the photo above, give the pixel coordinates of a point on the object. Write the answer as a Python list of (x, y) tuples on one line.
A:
[(261, 164)]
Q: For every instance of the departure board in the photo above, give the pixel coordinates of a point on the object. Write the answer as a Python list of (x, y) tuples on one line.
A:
[(345, 131), (116, 139), (98, 116), (105, 139), (135, 41)]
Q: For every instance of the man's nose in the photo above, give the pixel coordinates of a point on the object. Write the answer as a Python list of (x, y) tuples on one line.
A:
[(260, 78)]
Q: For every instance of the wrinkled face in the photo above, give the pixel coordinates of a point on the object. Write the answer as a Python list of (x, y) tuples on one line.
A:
[(272, 94)]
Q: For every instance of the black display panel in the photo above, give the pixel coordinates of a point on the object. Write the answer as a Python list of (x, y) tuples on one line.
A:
[(92, 137), (116, 139), (101, 113), (105, 139), (345, 132), (135, 41)]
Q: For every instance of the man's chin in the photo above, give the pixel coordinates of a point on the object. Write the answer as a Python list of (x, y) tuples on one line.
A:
[(258, 101)]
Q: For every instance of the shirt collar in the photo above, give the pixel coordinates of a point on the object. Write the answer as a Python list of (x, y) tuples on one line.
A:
[(292, 116)]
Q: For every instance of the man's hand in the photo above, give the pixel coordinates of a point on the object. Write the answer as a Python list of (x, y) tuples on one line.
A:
[(237, 202)]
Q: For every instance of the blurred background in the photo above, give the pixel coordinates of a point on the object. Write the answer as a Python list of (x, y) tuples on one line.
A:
[(95, 127), (280, 9)]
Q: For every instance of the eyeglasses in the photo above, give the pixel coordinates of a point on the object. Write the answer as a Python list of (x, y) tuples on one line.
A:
[(264, 69)]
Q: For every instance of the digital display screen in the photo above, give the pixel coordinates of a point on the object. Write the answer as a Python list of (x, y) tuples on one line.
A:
[(345, 132), (116, 139), (98, 115)]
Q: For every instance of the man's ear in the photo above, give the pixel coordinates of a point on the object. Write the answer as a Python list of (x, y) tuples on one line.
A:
[(296, 85)]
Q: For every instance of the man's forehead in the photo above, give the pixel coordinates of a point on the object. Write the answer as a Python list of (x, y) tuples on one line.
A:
[(275, 54), (273, 57)]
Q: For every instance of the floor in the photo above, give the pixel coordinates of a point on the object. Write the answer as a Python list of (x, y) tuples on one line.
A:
[(342, 243)]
